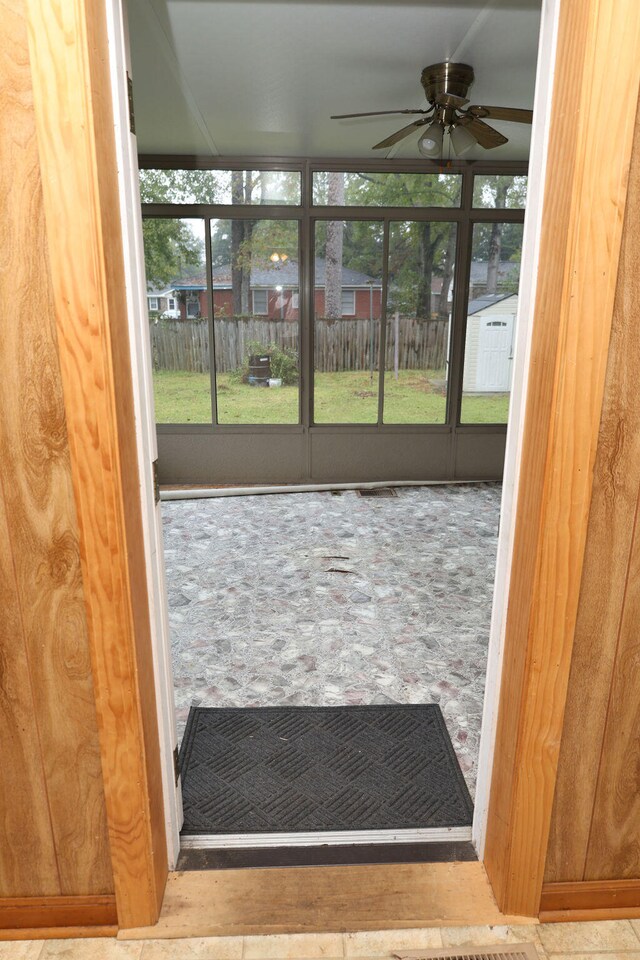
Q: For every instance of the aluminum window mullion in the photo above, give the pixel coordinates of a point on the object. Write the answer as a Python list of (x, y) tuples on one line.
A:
[(210, 321), (389, 213), (382, 354), (218, 211), (304, 397), (458, 313), (516, 168), (148, 161), (305, 315), (496, 215)]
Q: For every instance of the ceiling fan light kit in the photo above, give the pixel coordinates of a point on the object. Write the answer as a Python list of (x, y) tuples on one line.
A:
[(430, 143), (446, 86), (462, 140)]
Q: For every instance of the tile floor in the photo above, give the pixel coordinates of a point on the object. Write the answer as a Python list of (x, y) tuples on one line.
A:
[(607, 940), (317, 599)]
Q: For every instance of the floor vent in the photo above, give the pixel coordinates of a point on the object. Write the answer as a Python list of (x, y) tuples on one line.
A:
[(377, 492), (511, 951)]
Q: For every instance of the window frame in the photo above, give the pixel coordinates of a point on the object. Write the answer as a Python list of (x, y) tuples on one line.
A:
[(353, 292), (307, 216), (193, 301), (254, 311)]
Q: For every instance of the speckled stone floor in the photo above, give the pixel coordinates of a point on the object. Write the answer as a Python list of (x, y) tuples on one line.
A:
[(317, 599)]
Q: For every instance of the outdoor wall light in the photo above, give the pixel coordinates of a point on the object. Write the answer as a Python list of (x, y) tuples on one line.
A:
[(279, 257)]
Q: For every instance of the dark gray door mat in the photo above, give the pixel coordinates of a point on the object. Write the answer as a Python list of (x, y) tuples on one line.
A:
[(301, 769)]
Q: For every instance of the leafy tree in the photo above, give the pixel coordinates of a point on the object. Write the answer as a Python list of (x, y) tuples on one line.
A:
[(171, 250), (171, 246), (498, 242), (420, 250)]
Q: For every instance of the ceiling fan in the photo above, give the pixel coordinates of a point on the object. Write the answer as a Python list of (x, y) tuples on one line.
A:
[(445, 86)]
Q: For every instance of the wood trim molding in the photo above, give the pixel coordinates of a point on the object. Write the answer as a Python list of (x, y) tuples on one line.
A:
[(58, 933), (590, 900), (74, 118), (598, 56), (18, 913)]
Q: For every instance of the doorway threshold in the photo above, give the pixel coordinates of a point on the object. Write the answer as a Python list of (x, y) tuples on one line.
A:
[(212, 841), (326, 848)]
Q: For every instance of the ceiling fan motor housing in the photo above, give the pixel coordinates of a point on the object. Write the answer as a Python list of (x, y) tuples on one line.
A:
[(453, 78)]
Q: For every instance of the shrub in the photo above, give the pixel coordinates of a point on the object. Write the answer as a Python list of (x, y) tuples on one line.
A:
[(283, 361), (284, 364)]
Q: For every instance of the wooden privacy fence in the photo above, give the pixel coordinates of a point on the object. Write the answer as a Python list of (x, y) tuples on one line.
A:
[(339, 344)]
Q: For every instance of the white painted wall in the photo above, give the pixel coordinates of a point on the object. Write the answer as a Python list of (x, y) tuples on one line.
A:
[(136, 290), (522, 351)]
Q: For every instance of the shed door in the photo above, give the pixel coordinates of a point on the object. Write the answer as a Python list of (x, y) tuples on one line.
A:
[(494, 353)]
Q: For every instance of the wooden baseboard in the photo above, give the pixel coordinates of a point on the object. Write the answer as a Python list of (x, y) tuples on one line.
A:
[(590, 900), (36, 913), (58, 933)]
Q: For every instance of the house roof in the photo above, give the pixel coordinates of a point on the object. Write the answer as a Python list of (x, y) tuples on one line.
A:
[(160, 292), (481, 303), (286, 274), (505, 269)]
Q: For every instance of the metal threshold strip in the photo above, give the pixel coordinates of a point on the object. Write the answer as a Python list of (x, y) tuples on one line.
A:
[(212, 841)]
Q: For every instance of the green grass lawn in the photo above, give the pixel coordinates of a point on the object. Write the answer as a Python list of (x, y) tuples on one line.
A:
[(339, 398)]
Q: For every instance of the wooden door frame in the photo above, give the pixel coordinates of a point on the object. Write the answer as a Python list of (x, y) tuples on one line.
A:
[(597, 58), (598, 42), (73, 102)]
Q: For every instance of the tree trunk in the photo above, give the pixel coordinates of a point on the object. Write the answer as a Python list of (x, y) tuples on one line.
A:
[(241, 232), (447, 276), (423, 290), (495, 240), (333, 253), (237, 236)]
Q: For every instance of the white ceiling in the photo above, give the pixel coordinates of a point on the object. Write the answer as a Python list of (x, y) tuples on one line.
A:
[(261, 78)]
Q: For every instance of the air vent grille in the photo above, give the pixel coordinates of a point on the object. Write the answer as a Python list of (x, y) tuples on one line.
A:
[(377, 492), (515, 951)]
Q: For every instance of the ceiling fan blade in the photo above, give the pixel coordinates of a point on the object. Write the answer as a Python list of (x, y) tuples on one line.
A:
[(514, 114), (450, 100), (399, 135), (486, 136), (374, 113)]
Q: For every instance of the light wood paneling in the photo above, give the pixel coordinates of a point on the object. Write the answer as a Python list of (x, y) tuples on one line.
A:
[(598, 57), (301, 900), (25, 826), (74, 118), (599, 749), (614, 842), (53, 815)]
